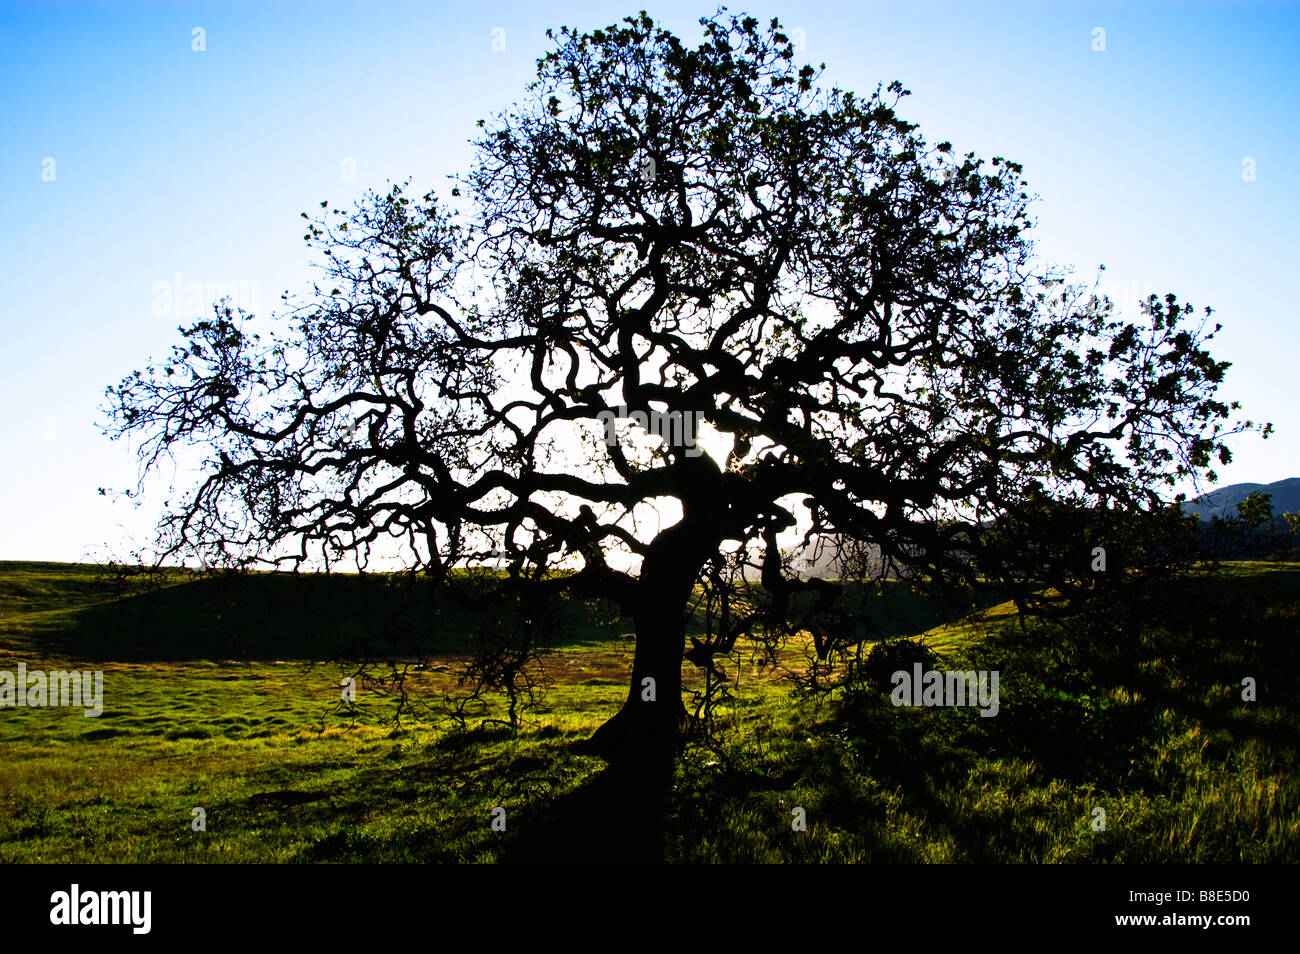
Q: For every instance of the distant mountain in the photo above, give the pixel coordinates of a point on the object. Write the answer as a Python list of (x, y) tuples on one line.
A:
[(1223, 501)]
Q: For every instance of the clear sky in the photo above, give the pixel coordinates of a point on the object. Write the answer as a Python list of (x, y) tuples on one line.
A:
[(129, 158)]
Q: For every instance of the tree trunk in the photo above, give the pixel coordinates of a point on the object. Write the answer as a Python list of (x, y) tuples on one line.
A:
[(652, 715)]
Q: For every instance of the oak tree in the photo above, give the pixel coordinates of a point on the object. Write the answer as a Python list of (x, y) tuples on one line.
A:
[(844, 325)]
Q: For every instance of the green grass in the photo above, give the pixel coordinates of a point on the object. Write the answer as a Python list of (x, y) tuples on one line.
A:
[(211, 701)]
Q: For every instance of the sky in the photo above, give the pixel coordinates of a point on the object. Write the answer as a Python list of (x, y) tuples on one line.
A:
[(145, 147)]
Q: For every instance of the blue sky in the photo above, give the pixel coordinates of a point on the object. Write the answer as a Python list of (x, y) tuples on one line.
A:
[(170, 161)]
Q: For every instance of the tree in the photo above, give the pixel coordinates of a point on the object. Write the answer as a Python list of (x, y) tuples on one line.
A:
[(705, 241)]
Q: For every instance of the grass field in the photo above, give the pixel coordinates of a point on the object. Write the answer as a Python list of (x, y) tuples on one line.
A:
[(212, 700)]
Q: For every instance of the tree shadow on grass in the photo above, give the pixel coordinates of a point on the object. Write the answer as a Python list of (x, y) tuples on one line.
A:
[(617, 817)]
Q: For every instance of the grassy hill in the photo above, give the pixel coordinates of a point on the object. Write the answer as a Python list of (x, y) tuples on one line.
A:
[(216, 698)]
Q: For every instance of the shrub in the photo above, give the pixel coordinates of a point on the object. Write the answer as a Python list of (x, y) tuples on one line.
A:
[(888, 657)]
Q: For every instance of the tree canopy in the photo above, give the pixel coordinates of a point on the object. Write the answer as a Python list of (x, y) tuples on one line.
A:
[(841, 327)]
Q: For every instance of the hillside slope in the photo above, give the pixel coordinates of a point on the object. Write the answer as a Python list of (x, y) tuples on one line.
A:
[(1223, 501)]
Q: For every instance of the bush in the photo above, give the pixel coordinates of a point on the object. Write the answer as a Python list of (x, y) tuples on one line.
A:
[(888, 657)]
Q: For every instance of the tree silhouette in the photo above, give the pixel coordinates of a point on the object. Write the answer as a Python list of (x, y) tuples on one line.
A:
[(704, 242)]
